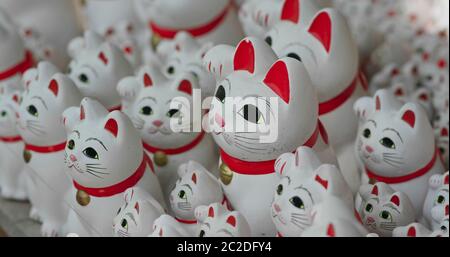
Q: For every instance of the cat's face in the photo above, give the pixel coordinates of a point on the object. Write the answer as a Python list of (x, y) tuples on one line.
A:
[(97, 67), (46, 96), (262, 98), (11, 46), (195, 187), (434, 74), (167, 226), (217, 221), (8, 102), (383, 209), (135, 218), (95, 139), (160, 108), (437, 199), (388, 139), (443, 143)]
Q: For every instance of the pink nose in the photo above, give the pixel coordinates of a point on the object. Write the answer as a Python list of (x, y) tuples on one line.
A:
[(277, 208), (17, 115), (369, 149), (370, 220), (73, 158), (157, 123), (219, 120)]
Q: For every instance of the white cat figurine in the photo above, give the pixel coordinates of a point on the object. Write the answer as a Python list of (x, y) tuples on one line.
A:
[(167, 226), (436, 200), (419, 230), (95, 139)]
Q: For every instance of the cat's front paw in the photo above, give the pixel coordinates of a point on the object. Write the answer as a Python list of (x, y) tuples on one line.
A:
[(219, 61), (435, 181), (49, 230), (34, 215)]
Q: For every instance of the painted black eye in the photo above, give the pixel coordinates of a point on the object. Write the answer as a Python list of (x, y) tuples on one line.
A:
[(171, 70), (173, 113), (90, 153), (369, 207), (387, 142), (444, 229), (83, 78), (269, 40), (3, 114), (195, 74), (442, 150), (429, 78), (71, 144), (367, 133), (202, 233), (279, 189), (385, 215), (220, 94), (297, 202), (69, 70), (252, 114), (33, 110), (146, 110), (440, 199), (124, 224), (182, 194), (294, 56)]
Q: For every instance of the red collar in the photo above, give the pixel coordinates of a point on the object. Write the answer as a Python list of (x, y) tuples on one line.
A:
[(45, 149), (174, 151), (337, 101), (13, 139), (117, 108), (397, 180), (189, 222), (21, 67), (169, 33), (279, 234), (120, 187), (265, 167)]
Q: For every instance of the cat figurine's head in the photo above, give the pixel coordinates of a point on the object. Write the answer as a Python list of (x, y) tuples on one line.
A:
[(135, 218), (417, 230), (167, 226), (322, 46), (95, 139), (434, 74), (437, 199), (217, 221), (160, 107), (196, 186), (305, 182), (390, 134), (97, 67), (47, 94), (268, 95), (443, 143), (9, 100), (382, 209)]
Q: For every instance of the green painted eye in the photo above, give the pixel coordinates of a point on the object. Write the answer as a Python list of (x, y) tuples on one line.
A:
[(83, 78), (182, 194), (297, 202), (440, 199), (369, 207), (124, 224), (33, 110), (220, 94), (4, 113), (280, 189), (386, 215), (387, 142), (269, 40), (367, 133), (90, 153), (146, 110), (173, 113), (71, 144)]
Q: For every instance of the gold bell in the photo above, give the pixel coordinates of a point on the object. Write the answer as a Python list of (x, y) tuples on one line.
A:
[(83, 198), (226, 174), (26, 156), (155, 40), (372, 181), (160, 159)]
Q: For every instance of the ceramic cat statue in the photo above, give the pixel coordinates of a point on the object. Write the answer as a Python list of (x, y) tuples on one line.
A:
[(304, 182), (209, 21), (419, 230), (387, 146), (135, 218), (422, 96), (167, 226), (443, 143), (266, 94), (382, 209), (100, 179), (195, 187), (436, 200), (160, 109), (12, 178), (217, 221), (96, 68), (326, 46), (39, 123)]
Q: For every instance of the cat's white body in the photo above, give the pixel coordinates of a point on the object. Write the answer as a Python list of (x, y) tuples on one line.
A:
[(330, 55), (436, 200), (167, 226), (95, 138), (248, 157), (39, 122)]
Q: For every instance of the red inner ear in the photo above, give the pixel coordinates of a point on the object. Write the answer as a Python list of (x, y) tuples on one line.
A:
[(446, 180), (442, 64), (244, 57), (103, 58), (410, 118), (399, 92), (147, 80), (277, 79), (15, 98), (232, 221), (321, 181), (411, 232), (54, 87), (194, 178), (377, 103), (395, 72), (444, 132), (161, 232), (330, 231), (375, 190), (291, 11), (211, 212), (423, 97), (321, 28), (395, 200), (82, 113), (137, 207), (185, 86), (446, 210), (112, 127)]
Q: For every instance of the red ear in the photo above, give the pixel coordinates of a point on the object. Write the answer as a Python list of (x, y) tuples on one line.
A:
[(277, 79), (137, 207), (103, 58), (244, 57), (194, 178), (82, 113), (410, 118), (395, 200), (211, 212), (442, 64), (15, 98), (444, 132), (291, 11), (375, 190), (411, 232), (446, 210), (399, 92), (147, 80), (321, 29), (423, 97), (446, 180), (112, 127), (128, 50), (54, 87), (377, 103), (161, 232), (321, 181), (330, 230), (185, 86), (232, 221), (395, 72)]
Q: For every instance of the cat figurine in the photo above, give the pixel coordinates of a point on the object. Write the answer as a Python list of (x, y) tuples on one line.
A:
[(167, 226), (12, 178), (261, 92), (443, 143), (436, 200), (422, 96), (419, 230), (160, 109), (195, 187), (217, 221), (326, 46), (100, 179), (39, 123), (96, 68), (135, 218), (387, 146), (304, 182), (382, 209)]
